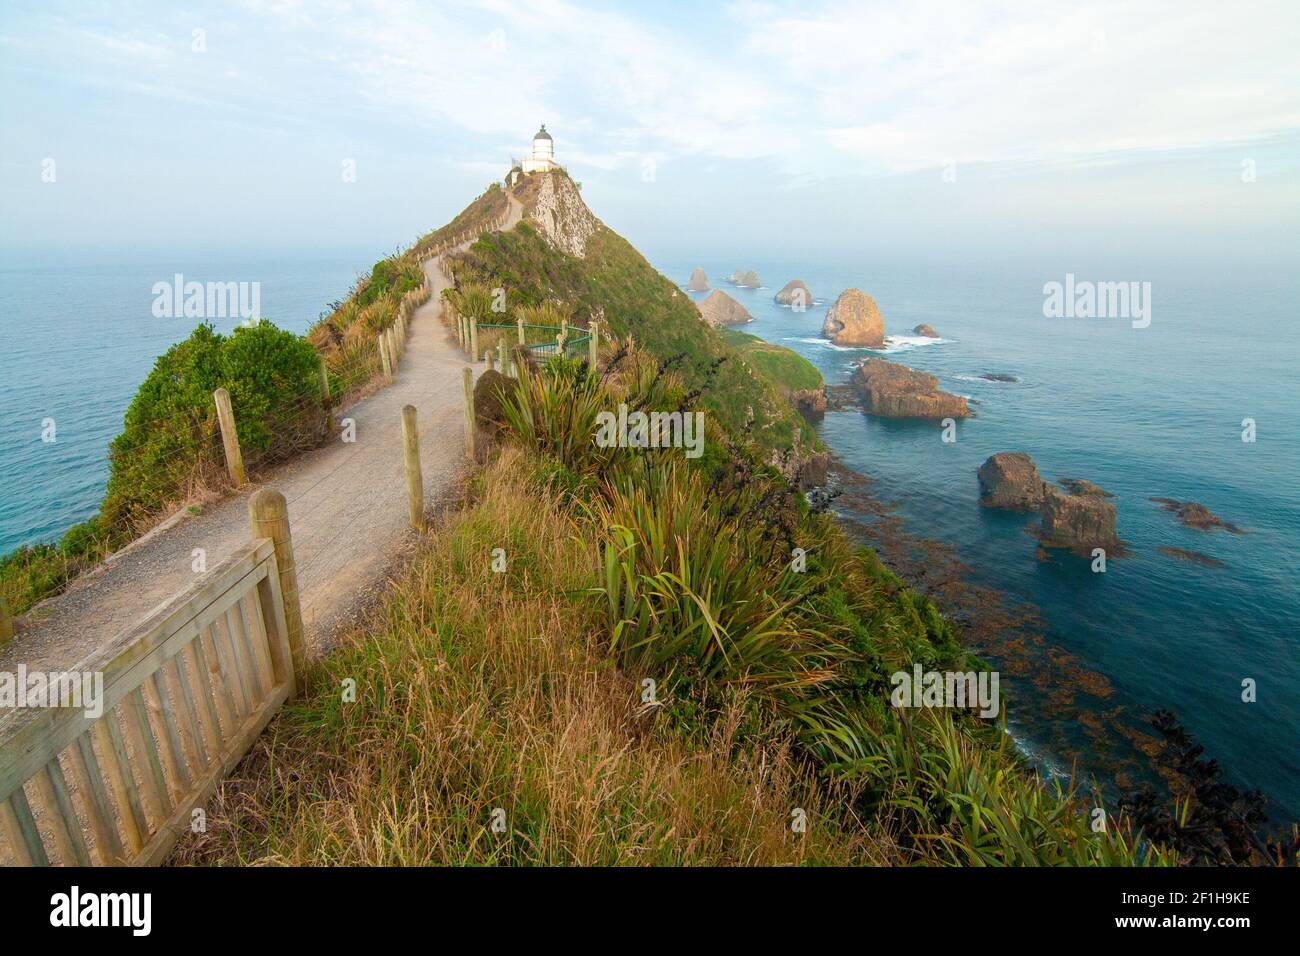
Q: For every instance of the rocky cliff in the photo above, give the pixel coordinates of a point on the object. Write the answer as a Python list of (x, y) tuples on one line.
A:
[(554, 204), (853, 319)]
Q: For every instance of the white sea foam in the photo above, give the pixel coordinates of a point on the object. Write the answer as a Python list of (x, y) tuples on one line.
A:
[(905, 343), (824, 343)]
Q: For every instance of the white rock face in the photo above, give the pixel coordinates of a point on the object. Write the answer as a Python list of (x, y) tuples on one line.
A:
[(561, 215)]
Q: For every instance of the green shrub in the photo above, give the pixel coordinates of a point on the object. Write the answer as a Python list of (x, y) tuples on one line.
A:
[(170, 432)]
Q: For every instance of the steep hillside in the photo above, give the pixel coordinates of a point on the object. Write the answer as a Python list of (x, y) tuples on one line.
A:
[(563, 252)]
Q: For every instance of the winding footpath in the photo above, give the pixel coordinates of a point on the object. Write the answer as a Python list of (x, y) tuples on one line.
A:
[(347, 512)]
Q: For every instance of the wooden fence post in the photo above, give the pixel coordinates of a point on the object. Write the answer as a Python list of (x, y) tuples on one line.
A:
[(469, 413), (269, 516), (229, 437), (383, 357), (324, 382), (593, 345), (490, 357), (473, 338), (501, 354), (6, 622), (520, 323), (394, 349), (414, 479)]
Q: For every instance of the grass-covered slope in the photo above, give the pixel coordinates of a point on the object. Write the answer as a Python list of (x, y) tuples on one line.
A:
[(788, 371)]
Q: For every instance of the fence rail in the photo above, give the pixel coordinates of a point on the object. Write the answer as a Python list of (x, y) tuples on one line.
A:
[(184, 696)]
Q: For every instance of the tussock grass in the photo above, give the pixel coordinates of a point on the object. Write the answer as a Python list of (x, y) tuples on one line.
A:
[(479, 690)]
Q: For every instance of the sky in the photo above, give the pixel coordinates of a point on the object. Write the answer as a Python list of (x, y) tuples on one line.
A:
[(812, 128)]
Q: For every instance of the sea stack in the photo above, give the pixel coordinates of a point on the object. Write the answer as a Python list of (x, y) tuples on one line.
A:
[(925, 330), (1080, 518), (794, 294), (699, 281), (1078, 522), (891, 390), (718, 308), (1010, 480), (749, 280), (854, 320)]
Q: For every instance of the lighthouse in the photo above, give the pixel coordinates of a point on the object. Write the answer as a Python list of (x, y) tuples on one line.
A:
[(543, 157)]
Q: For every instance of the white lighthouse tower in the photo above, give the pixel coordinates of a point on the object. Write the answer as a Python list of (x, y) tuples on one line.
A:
[(543, 157)]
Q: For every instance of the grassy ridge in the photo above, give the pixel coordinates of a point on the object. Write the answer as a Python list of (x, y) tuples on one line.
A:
[(615, 283)]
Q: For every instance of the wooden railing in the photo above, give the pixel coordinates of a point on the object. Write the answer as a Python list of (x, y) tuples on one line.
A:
[(184, 696)]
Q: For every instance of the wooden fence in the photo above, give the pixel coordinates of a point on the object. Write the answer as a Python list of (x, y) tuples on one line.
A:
[(184, 696)]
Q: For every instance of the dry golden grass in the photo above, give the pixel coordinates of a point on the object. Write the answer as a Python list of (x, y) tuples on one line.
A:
[(478, 690)]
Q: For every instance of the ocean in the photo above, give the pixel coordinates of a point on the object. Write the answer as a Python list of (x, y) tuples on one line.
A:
[(80, 336), (1141, 412)]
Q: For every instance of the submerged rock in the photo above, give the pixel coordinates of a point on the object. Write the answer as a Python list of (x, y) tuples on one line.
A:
[(1195, 557), (699, 281), (718, 308), (926, 330), (999, 377), (794, 294), (896, 391), (1196, 515), (1010, 480), (853, 319)]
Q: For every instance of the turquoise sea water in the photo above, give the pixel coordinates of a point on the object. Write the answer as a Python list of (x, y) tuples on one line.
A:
[(1141, 412)]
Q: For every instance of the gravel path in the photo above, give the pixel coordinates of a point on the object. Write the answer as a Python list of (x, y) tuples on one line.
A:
[(347, 513)]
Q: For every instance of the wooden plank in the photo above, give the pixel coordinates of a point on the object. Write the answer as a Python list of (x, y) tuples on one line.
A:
[(270, 603), (28, 839), (117, 768), (99, 810), (173, 757), (163, 841), (208, 652), (233, 669), (146, 750), (244, 648), (196, 673), (61, 815), (256, 629), (196, 752)]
